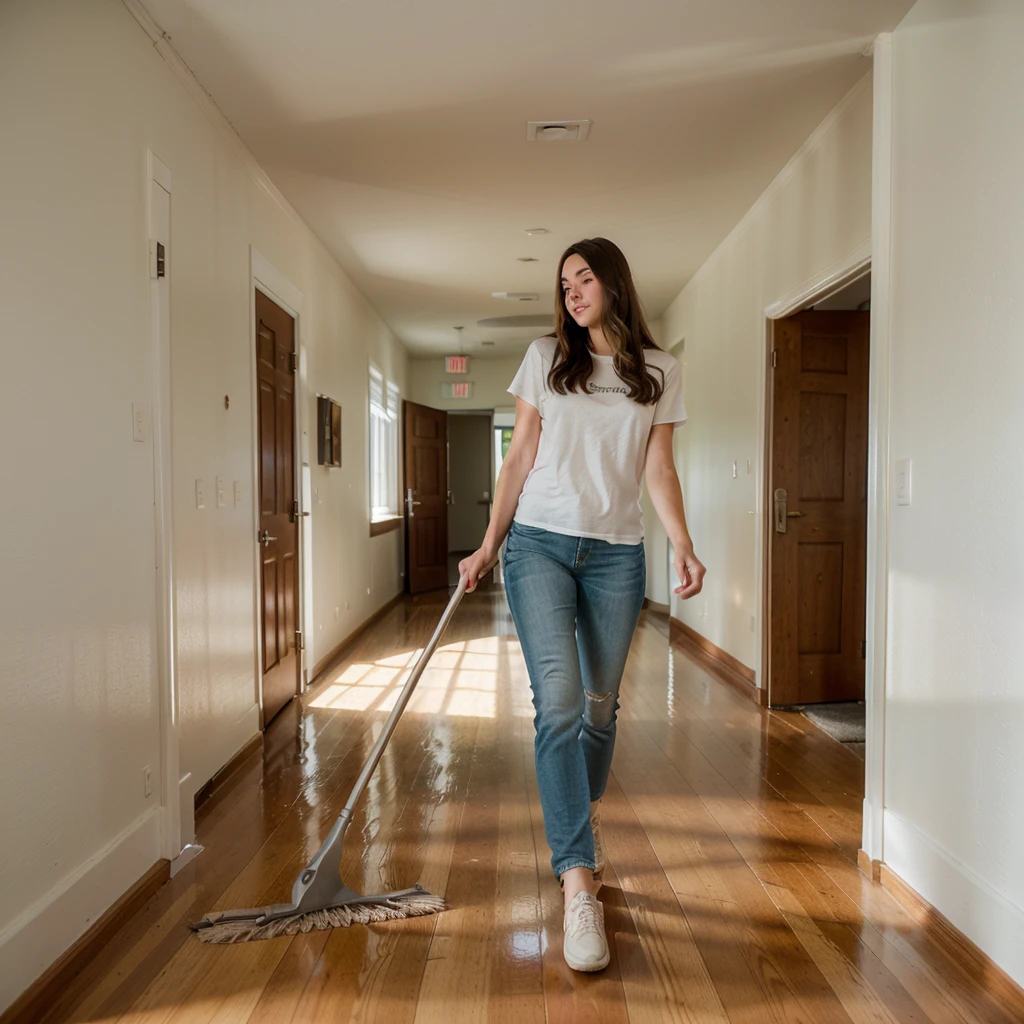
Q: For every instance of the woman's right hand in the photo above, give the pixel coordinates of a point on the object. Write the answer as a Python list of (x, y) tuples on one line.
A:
[(478, 564)]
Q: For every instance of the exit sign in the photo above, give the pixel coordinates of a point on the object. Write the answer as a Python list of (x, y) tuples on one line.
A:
[(456, 389), (456, 364)]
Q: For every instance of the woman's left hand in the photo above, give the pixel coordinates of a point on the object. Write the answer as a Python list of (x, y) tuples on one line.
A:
[(690, 572)]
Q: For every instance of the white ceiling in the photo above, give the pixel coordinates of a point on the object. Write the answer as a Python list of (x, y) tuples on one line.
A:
[(397, 128)]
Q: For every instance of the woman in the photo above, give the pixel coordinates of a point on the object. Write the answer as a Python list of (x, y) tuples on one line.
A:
[(596, 405)]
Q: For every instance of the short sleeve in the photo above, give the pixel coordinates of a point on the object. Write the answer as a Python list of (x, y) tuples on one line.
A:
[(670, 407), (528, 384)]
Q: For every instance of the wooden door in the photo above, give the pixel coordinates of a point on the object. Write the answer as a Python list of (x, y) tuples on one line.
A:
[(426, 497), (818, 508), (277, 528)]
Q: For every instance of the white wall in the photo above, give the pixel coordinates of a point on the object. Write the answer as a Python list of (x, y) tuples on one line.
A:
[(812, 219), (490, 377), (83, 94), (954, 734)]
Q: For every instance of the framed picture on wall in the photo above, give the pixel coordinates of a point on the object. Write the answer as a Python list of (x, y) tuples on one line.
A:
[(328, 433)]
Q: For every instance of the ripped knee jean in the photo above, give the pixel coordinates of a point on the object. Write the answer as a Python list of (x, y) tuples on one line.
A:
[(575, 603)]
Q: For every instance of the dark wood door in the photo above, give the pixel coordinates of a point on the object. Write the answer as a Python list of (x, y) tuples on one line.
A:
[(426, 497), (277, 528), (818, 508)]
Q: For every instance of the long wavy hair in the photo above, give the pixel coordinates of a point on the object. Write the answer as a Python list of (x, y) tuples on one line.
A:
[(623, 323)]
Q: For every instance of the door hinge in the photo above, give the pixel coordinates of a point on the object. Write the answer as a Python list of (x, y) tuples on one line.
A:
[(775, 358), (293, 361), (300, 643)]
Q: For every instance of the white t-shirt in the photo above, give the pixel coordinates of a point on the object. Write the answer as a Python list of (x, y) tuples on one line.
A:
[(587, 478)]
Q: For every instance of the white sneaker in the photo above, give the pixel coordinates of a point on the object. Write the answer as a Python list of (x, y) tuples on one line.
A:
[(585, 947), (595, 827)]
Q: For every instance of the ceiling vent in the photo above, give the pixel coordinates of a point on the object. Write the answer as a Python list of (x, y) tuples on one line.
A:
[(557, 131)]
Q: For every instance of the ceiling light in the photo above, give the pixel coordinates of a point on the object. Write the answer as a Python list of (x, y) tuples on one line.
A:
[(537, 231), (514, 296), (557, 131), (526, 259), (487, 344)]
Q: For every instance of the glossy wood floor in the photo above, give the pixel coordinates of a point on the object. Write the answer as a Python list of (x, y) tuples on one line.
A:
[(732, 892)]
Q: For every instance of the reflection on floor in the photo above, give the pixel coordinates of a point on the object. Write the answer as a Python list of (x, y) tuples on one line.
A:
[(732, 891)]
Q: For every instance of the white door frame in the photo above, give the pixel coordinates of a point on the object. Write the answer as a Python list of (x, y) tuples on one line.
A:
[(878, 450), (174, 833), (268, 280)]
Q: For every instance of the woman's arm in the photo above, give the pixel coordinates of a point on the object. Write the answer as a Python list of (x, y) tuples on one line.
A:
[(515, 468), (667, 495)]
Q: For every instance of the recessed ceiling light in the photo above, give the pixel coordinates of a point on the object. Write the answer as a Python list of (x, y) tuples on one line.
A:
[(487, 344), (537, 231), (526, 259), (557, 131)]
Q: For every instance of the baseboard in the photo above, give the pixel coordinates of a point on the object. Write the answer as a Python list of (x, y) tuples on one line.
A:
[(225, 774), (54, 938), (976, 924), (715, 660), (654, 606), (869, 867), (326, 662)]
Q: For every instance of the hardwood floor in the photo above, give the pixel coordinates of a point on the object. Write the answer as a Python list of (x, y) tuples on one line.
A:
[(732, 891)]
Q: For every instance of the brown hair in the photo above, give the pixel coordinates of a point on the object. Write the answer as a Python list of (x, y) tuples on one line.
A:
[(622, 321)]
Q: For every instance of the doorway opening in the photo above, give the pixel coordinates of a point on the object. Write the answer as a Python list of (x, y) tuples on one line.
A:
[(470, 475), (815, 510)]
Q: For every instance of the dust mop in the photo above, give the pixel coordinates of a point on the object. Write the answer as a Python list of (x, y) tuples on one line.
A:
[(320, 899)]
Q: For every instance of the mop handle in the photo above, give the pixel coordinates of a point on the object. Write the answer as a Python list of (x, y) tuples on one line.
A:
[(403, 699)]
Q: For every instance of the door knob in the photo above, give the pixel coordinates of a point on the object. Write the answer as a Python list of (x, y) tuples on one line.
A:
[(264, 538), (409, 503)]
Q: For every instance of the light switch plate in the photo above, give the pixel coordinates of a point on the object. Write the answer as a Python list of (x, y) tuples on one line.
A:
[(238, 493), (903, 481), (221, 496), (200, 494)]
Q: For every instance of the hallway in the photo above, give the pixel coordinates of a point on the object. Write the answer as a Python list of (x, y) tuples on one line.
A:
[(732, 892)]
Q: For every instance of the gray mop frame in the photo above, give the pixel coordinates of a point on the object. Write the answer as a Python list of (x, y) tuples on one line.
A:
[(319, 885)]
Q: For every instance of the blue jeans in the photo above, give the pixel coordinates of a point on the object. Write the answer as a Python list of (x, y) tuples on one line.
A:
[(575, 603)]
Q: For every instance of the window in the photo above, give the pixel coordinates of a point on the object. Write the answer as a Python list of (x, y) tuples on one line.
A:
[(383, 447), (502, 442)]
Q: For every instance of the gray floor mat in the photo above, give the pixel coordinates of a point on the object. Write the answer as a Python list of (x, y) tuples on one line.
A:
[(844, 722)]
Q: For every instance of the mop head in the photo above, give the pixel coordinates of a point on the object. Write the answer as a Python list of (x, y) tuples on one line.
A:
[(334, 917)]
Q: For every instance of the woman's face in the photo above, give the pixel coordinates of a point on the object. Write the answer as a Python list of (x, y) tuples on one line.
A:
[(583, 295)]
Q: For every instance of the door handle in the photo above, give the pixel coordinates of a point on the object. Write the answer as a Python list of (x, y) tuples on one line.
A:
[(264, 538), (781, 513), (409, 503)]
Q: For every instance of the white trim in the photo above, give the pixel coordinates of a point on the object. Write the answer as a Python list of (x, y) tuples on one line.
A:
[(41, 933), (853, 266), (779, 182), (266, 278), (878, 454), (984, 915), (171, 837)]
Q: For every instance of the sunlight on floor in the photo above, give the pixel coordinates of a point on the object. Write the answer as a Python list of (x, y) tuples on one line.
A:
[(461, 680)]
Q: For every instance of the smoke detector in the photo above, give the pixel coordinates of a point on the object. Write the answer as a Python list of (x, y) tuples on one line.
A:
[(557, 131)]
